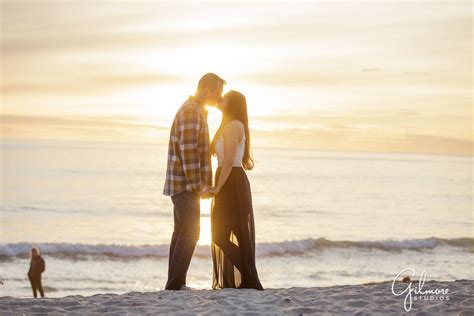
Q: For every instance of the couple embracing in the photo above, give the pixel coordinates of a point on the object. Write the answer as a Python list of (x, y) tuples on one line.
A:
[(189, 178)]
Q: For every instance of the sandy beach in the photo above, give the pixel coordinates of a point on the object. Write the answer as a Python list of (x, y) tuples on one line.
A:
[(347, 299)]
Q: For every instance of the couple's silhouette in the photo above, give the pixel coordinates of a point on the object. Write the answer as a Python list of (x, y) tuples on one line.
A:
[(189, 178)]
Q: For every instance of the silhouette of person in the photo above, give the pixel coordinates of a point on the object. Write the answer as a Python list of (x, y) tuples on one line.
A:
[(37, 267)]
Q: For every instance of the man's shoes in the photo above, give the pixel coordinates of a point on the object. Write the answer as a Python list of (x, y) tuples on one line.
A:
[(185, 288)]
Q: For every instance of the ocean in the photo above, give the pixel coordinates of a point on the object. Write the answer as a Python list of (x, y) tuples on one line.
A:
[(97, 212)]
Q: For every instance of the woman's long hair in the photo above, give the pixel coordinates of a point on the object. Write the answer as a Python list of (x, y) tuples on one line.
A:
[(236, 109), (37, 252)]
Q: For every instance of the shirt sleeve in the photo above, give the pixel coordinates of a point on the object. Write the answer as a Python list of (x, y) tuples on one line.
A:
[(190, 122)]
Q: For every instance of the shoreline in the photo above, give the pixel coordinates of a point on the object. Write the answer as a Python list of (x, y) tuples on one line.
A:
[(368, 298)]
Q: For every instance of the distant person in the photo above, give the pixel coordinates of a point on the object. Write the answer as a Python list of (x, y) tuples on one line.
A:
[(189, 175), (37, 267), (232, 219)]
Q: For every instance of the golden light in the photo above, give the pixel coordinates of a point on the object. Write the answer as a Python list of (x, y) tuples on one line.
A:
[(205, 57), (205, 234)]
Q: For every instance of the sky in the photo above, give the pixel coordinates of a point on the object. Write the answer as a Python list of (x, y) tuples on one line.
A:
[(345, 76)]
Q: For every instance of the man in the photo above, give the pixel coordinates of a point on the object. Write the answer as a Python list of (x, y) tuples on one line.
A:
[(189, 174)]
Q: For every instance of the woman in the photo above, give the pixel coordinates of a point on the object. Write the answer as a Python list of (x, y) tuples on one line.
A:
[(37, 267), (232, 222)]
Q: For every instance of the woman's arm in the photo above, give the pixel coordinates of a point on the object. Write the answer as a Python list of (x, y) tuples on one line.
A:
[(230, 134), (42, 265)]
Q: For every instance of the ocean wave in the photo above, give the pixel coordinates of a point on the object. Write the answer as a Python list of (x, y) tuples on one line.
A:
[(307, 245), (292, 247)]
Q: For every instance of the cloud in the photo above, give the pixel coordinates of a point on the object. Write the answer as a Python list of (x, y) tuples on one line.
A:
[(109, 121), (82, 85), (83, 128), (418, 73), (346, 140), (373, 69), (352, 78), (29, 28), (329, 133), (339, 57)]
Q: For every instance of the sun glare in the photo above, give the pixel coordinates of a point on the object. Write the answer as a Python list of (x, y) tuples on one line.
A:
[(205, 234)]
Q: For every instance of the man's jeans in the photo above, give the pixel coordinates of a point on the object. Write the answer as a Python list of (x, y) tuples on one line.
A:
[(185, 236)]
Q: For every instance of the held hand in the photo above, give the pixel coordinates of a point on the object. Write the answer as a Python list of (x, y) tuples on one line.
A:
[(205, 195), (214, 191)]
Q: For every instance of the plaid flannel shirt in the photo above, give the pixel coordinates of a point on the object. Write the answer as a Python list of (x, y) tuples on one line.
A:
[(189, 160)]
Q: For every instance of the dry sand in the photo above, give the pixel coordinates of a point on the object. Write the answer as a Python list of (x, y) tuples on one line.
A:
[(365, 299)]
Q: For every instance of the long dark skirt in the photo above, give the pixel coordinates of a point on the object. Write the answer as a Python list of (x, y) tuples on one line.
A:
[(233, 234)]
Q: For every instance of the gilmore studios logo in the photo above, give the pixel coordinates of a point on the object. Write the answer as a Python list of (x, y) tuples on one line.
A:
[(416, 292)]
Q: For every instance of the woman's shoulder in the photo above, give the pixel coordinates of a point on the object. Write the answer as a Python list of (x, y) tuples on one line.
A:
[(234, 128), (234, 124)]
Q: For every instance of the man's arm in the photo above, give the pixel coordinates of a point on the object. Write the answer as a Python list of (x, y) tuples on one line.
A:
[(190, 122)]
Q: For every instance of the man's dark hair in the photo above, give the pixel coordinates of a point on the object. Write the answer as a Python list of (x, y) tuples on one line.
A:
[(210, 81)]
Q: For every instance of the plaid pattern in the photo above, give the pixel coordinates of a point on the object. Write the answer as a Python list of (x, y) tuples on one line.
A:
[(189, 160)]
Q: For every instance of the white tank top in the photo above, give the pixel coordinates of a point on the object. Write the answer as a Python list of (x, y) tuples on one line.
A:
[(239, 154)]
